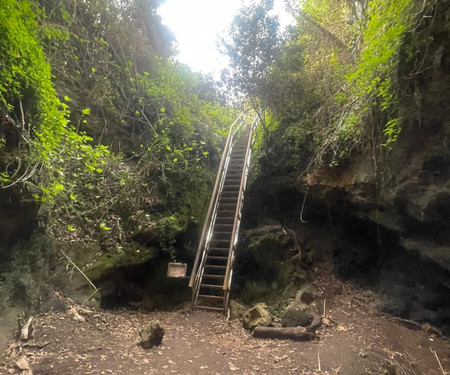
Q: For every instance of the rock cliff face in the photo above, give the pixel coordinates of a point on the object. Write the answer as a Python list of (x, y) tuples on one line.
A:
[(392, 222), (394, 209), (383, 217)]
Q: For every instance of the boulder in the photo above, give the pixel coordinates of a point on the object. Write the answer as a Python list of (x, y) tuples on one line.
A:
[(296, 314), (151, 334), (256, 316), (237, 309)]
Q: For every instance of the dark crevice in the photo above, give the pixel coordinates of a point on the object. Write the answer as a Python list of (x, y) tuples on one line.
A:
[(145, 287)]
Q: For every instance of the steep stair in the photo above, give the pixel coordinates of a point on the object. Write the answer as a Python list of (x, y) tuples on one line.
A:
[(212, 273)]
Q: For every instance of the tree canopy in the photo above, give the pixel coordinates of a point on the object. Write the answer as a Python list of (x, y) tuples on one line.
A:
[(252, 46)]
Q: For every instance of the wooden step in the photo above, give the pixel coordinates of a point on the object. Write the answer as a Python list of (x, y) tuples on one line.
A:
[(225, 219), (223, 227), (211, 286), (216, 257), (230, 194), (234, 171), (228, 200), (225, 213), (211, 297), (222, 233), (236, 167), (215, 267), (231, 187), (219, 249), (224, 241), (227, 205), (228, 208), (210, 308), (209, 276), (220, 244)]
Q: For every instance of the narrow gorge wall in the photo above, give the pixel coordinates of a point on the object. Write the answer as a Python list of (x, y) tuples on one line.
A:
[(394, 208), (383, 216)]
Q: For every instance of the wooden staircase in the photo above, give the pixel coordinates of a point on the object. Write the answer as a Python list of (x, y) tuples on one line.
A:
[(213, 267)]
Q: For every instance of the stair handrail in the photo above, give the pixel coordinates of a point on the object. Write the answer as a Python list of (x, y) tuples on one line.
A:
[(202, 246), (236, 222)]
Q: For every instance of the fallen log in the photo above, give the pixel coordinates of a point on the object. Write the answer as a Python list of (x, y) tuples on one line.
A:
[(284, 333)]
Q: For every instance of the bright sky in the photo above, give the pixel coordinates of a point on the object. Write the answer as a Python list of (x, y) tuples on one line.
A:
[(198, 24)]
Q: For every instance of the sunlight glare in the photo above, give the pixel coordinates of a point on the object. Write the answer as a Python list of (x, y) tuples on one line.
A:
[(198, 25)]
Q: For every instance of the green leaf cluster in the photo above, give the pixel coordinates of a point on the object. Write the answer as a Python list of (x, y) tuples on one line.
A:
[(132, 133), (373, 81), (28, 97), (335, 85)]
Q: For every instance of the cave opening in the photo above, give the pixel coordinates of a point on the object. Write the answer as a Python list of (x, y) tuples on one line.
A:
[(145, 287)]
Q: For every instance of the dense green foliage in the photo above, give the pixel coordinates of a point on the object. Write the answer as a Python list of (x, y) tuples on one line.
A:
[(351, 73), (334, 86), (378, 63), (34, 121), (99, 125)]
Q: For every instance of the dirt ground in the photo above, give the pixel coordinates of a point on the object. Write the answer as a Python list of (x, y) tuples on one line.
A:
[(357, 341)]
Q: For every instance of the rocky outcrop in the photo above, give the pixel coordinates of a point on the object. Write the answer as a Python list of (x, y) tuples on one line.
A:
[(105, 269), (256, 316), (383, 214), (390, 209), (265, 270)]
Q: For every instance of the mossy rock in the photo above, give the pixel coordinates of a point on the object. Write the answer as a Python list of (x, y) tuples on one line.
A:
[(268, 245), (267, 271), (237, 309), (96, 265), (296, 314), (108, 262), (283, 285), (256, 316)]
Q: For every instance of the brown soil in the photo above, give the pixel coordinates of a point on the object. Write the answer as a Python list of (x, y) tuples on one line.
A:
[(358, 341)]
